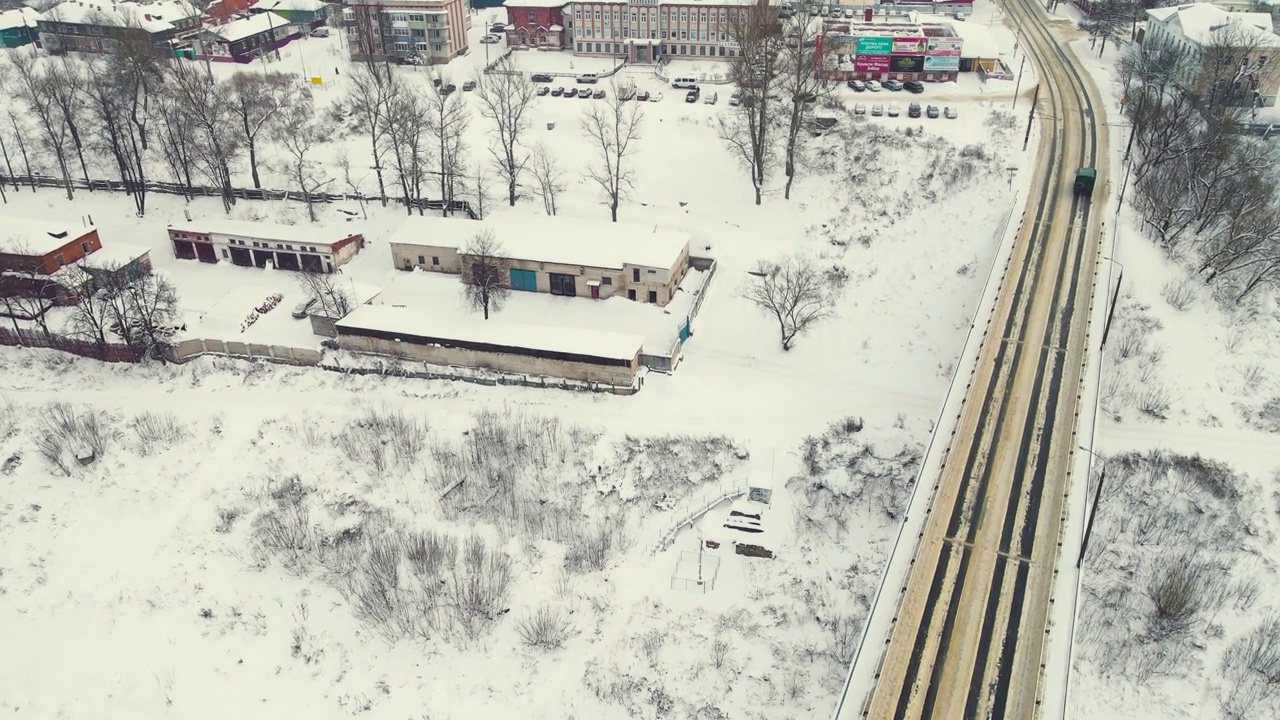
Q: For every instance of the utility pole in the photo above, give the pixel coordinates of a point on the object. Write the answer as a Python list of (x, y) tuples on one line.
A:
[(1035, 98), (1018, 83), (1093, 513)]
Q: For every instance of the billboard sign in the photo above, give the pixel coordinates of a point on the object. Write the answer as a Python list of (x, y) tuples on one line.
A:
[(941, 63), (871, 63), (906, 63), (874, 45), (910, 45), (945, 46)]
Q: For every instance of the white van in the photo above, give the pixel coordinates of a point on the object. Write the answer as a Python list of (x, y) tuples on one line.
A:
[(320, 32), (684, 83)]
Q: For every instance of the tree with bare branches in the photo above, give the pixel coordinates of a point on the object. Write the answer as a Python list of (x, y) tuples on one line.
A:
[(204, 105), (408, 137), (334, 300), (794, 291), (368, 96), (802, 80), (755, 70), (505, 95), (549, 177), (257, 100), (612, 127), (33, 86), (485, 270), (300, 131), (25, 292), (450, 118)]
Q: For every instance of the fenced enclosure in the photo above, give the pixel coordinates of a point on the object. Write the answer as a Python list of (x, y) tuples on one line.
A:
[(696, 572)]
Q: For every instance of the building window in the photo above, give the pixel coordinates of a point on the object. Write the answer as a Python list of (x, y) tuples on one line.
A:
[(422, 260), (84, 247), (399, 17), (684, 35), (61, 262), (606, 280), (417, 17), (533, 16), (653, 297), (653, 272), (435, 260), (635, 275), (224, 253), (562, 284), (631, 294), (400, 32)]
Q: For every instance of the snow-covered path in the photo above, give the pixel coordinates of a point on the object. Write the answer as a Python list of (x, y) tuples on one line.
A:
[(1252, 450)]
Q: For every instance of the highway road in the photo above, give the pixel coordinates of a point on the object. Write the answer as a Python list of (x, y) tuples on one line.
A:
[(972, 617)]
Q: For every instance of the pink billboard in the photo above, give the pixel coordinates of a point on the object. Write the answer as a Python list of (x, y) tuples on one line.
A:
[(871, 63)]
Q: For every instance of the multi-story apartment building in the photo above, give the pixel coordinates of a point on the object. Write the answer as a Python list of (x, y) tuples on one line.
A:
[(426, 32), (1234, 53), (89, 26), (642, 31)]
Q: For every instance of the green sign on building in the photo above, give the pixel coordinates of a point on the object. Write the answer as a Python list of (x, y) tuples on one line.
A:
[(874, 46)]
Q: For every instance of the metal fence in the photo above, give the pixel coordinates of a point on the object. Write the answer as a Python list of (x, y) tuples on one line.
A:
[(695, 508), (461, 206)]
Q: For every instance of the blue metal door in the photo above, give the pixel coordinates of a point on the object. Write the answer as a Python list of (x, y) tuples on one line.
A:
[(685, 330), (526, 280)]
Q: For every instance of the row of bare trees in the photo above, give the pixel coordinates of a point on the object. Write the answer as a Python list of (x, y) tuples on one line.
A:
[(1205, 191), (781, 76)]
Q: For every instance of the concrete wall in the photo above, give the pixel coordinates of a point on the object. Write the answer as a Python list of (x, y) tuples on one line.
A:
[(503, 362), (406, 257), (188, 349)]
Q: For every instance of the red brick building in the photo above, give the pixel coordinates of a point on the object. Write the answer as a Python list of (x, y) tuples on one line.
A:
[(535, 23), (33, 251)]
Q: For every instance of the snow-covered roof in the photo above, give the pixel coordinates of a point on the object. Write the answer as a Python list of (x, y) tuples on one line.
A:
[(309, 234), (248, 27), (152, 17), (1198, 23), (22, 17), (536, 3), (291, 5), (29, 238), (554, 239), (115, 255), (978, 40), (413, 322)]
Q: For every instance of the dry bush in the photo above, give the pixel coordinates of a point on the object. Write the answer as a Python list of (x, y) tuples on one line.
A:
[(1154, 400), (1251, 671), (1177, 592), (1130, 342), (1180, 294), (590, 548), (844, 632), (547, 628), (1253, 375), (382, 439), (153, 432), (68, 437)]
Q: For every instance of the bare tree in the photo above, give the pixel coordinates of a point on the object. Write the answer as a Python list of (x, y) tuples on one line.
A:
[(334, 300), (368, 93), (113, 96), (177, 140), (26, 293), (203, 104), (505, 96), (755, 70), (802, 79), (612, 127), (450, 118), (257, 100), (408, 137), (355, 185), (1107, 21), (485, 271), (300, 130), (794, 291), (66, 81), (33, 87), (480, 191), (1235, 64), (549, 176)]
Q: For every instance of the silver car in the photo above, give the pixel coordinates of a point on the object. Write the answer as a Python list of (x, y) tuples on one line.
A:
[(859, 109), (877, 110)]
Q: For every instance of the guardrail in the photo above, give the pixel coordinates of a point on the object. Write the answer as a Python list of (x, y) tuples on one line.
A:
[(695, 508)]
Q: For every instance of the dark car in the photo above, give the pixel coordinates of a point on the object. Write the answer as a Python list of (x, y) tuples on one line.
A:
[(914, 86), (447, 89), (643, 96), (857, 86), (541, 77), (932, 111), (913, 110), (542, 91), (691, 96), (807, 98), (557, 92), (893, 85), (437, 82), (468, 86), (498, 27), (571, 92), (598, 95)]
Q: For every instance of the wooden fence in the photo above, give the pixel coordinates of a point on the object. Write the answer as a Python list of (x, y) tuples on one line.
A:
[(240, 193), (109, 352)]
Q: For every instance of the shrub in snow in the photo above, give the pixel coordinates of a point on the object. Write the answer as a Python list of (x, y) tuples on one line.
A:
[(843, 469), (70, 437), (381, 438), (156, 431), (547, 628)]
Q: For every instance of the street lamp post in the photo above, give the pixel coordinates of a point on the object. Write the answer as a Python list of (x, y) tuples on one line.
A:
[(1097, 496)]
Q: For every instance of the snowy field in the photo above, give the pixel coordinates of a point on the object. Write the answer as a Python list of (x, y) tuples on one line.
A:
[(255, 540)]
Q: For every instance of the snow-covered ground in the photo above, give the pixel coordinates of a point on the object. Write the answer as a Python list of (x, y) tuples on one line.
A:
[(261, 540)]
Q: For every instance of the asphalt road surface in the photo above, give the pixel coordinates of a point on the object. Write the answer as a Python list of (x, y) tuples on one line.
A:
[(973, 617)]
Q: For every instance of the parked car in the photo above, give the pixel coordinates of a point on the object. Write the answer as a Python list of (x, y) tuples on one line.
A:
[(541, 77), (448, 89), (932, 112), (436, 82), (807, 98), (950, 113), (490, 39), (542, 90), (571, 92), (913, 110), (627, 92), (914, 86), (656, 97), (820, 126), (584, 94), (891, 110), (859, 109), (643, 96), (468, 86), (877, 110), (498, 28), (599, 94), (692, 96), (557, 92), (857, 85), (300, 310), (873, 85), (736, 98), (588, 78), (893, 85), (711, 98)]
